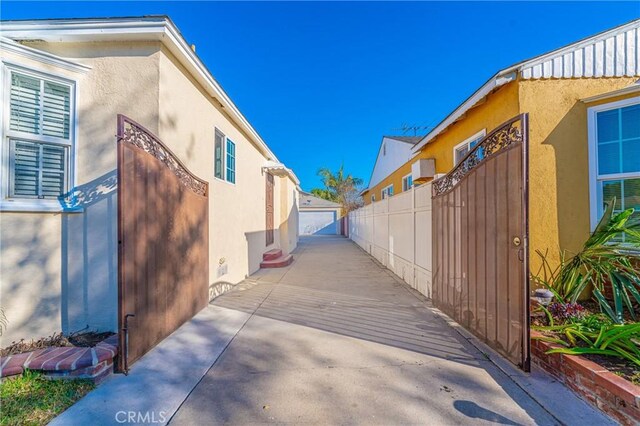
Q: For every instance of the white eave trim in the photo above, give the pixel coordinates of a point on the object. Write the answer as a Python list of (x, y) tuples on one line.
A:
[(140, 29), (8, 45), (634, 88), (280, 169), (495, 82)]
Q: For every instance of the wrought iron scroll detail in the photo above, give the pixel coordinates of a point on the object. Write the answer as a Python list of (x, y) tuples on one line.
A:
[(512, 132), (133, 133)]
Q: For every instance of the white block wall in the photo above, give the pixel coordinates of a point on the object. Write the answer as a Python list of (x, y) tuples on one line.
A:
[(397, 232)]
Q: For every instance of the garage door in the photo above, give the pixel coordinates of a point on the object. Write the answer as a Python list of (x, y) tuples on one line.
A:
[(318, 223)]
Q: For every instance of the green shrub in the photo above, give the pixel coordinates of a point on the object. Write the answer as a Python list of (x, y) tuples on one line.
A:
[(609, 257)]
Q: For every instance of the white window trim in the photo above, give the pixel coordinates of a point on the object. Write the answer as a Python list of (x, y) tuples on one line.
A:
[(593, 154), (34, 204), (224, 158), (403, 181), (386, 189), (482, 133)]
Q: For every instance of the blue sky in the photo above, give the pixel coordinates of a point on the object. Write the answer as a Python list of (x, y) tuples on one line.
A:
[(322, 82)]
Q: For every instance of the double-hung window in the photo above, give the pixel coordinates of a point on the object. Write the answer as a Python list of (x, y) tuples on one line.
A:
[(462, 149), (407, 182), (38, 137), (224, 157), (614, 156), (387, 192)]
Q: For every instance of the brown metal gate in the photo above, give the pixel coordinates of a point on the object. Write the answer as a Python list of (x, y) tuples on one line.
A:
[(163, 242), (269, 208), (480, 256)]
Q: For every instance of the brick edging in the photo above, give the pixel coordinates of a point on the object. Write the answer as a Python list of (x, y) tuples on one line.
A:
[(65, 362), (609, 393)]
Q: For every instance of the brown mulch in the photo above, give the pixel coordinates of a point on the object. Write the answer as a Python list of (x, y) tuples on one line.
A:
[(84, 340)]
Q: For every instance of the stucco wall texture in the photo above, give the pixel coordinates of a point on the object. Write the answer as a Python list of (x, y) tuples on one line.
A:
[(559, 215), (58, 271)]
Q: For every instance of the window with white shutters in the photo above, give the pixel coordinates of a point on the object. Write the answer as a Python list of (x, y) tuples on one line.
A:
[(39, 136)]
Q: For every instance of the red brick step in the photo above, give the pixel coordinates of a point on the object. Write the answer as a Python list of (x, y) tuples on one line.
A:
[(272, 254), (279, 262)]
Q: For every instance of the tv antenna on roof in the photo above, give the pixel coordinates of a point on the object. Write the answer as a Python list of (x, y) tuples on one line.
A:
[(415, 128)]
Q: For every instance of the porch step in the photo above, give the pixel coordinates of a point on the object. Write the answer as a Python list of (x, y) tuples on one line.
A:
[(279, 262), (272, 254)]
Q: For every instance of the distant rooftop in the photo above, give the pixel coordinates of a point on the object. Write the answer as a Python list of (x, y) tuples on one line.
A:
[(408, 139)]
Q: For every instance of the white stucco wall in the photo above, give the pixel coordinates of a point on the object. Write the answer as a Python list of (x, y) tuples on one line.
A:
[(58, 271), (188, 119)]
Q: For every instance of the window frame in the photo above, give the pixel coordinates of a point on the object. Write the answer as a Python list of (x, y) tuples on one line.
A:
[(226, 157), (595, 206), (406, 179), (385, 191), (223, 160), (481, 134), (8, 136)]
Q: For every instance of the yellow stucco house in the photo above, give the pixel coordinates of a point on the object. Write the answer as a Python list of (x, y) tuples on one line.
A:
[(583, 102)]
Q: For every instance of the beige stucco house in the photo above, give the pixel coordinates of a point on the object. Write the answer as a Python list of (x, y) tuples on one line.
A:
[(63, 84)]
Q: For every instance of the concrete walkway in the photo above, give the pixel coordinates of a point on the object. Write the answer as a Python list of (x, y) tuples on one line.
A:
[(332, 339), (336, 339)]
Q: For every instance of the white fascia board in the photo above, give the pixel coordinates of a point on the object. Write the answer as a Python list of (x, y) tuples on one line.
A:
[(134, 29), (500, 79), (8, 45)]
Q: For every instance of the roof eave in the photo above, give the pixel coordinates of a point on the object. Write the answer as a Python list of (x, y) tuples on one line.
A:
[(155, 28), (500, 79)]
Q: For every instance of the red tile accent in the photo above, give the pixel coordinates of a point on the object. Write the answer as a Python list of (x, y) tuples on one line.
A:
[(272, 254), (65, 361), (280, 262)]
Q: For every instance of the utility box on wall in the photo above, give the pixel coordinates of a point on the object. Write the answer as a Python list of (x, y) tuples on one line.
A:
[(423, 169)]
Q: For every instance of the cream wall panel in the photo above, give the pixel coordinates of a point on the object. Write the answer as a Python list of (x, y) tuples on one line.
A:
[(397, 232)]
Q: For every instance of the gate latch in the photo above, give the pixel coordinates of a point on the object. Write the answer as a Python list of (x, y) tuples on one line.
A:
[(517, 241)]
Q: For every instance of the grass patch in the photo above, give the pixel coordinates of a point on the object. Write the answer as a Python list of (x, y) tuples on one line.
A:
[(32, 399)]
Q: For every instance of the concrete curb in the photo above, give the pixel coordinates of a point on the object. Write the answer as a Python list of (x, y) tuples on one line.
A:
[(160, 382)]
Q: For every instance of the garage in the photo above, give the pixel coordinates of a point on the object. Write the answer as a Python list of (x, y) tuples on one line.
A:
[(318, 216)]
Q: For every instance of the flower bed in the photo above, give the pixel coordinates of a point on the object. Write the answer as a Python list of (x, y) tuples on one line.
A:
[(94, 363), (615, 396)]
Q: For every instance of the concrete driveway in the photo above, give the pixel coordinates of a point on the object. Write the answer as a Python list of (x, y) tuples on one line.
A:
[(336, 339)]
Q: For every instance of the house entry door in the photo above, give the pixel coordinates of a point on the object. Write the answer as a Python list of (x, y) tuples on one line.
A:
[(480, 247), (163, 242), (269, 209)]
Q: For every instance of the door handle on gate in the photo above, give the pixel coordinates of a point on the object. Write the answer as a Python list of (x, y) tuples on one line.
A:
[(521, 255)]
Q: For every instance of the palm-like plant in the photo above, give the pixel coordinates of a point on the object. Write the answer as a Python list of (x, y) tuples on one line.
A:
[(339, 187), (610, 255)]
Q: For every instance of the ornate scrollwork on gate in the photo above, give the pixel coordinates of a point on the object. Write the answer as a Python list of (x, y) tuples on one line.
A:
[(131, 132), (512, 132)]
